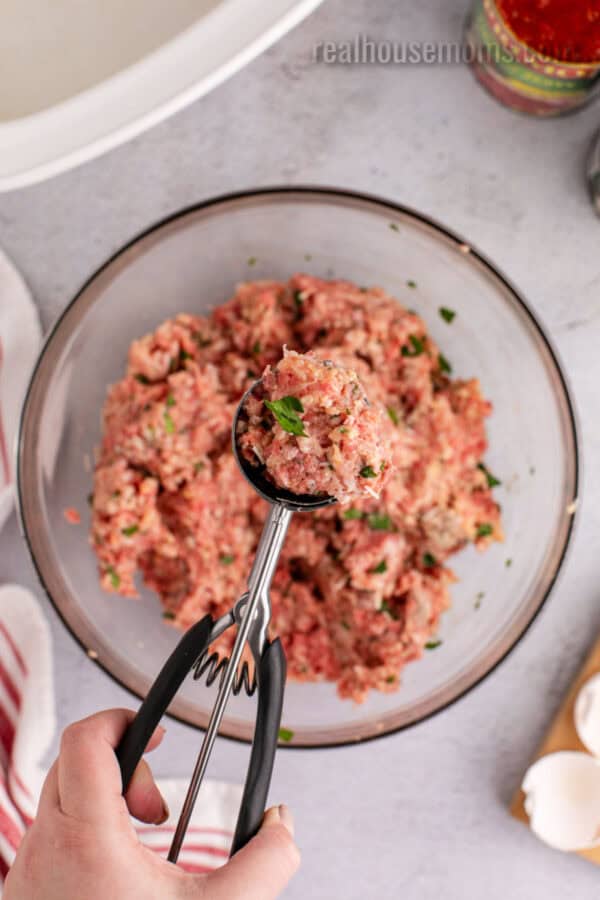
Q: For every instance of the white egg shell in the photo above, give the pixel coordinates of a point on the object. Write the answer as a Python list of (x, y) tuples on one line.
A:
[(562, 799), (587, 715)]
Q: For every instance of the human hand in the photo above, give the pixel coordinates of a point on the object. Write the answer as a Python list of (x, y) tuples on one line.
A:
[(82, 845)]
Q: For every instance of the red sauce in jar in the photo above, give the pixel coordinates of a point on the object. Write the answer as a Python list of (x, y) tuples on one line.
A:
[(567, 30)]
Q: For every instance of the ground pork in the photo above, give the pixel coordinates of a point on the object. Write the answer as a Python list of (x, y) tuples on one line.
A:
[(312, 430), (361, 585)]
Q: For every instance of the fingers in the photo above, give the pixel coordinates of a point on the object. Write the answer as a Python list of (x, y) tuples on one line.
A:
[(89, 779), (261, 870), (143, 798)]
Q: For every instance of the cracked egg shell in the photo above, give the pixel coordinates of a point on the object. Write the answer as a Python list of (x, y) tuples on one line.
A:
[(562, 800)]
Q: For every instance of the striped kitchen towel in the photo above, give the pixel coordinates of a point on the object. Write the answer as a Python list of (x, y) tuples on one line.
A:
[(20, 336), (27, 726)]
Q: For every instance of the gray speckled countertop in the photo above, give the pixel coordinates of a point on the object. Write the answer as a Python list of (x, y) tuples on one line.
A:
[(421, 814)]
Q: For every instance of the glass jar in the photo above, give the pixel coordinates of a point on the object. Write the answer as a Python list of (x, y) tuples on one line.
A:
[(593, 172), (520, 76)]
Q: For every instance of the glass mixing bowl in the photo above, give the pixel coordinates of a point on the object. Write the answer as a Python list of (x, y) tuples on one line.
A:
[(192, 262)]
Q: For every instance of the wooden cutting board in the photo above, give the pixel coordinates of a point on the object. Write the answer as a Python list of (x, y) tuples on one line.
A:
[(562, 736)]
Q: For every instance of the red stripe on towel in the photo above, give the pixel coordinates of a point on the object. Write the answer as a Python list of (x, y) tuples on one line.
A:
[(16, 652), (11, 688)]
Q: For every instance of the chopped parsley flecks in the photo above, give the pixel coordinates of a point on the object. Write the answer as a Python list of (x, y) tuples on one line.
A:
[(492, 481), (168, 615), (391, 679), (380, 568), (508, 563), (429, 560), (252, 260), (198, 466), (169, 423), (226, 559), (298, 299), (170, 401), (393, 415), (143, 379), (115, 579), (380, 522), (479, 597), (444, 365), (411, 284), (130, 530), (433, 645), (345, 625), (256, 348), (448, 315), (286, 735), (394, 227), (484, 529), (368, 472), (352, 513), (286, 412), (417, 346)]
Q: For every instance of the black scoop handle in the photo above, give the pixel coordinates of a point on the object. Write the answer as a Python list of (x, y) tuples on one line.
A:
[(172, 675), (271, 683)]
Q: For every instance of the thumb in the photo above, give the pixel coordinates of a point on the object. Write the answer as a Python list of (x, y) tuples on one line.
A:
[(261, 869)]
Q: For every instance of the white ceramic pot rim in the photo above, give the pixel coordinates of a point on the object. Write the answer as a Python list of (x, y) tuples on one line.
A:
[(60, 137)]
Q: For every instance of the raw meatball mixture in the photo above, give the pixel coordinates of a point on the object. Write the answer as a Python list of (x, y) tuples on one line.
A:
[(314, 431), (360, 588)]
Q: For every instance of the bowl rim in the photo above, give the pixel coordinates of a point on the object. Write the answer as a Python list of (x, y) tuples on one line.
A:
[(323, 192)]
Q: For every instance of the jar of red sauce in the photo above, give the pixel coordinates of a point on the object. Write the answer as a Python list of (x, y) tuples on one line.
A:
[(537, 56)]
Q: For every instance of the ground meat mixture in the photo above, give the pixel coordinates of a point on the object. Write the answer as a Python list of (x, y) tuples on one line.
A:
[(360, 587), (314, 431)]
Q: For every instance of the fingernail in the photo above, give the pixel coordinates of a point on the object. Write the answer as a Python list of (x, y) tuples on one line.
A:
[(279, 815), (143, 777), (272, 817), (286, 818)]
